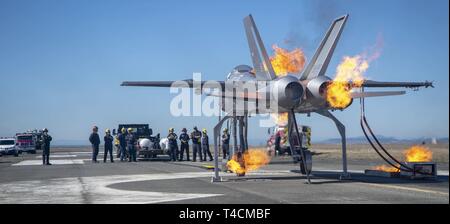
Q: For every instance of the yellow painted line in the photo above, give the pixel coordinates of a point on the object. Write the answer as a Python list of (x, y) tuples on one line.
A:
[(405, 188)]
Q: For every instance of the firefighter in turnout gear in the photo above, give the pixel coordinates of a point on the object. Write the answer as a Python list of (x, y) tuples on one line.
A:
[(44, 141), (122, 144), (307, 133), (173, 145), (117, 145), (225, 143), (184, 139), (205, 145), (108, 146), (131, 141), (196, 136)]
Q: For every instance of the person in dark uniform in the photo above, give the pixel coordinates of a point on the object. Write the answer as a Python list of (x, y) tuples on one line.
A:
[(108, 146), (95, 142), (277, 143), (157, 140), (131, 141), (205, 146), (225, 143), (44, 141), (184, 139), (196, 136), (122, 144), (173, 145)]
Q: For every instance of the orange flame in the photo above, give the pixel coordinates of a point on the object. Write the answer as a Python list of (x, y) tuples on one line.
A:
[(418, 153), (415, 153), (253, 159), (284, 61), (350, 69), (385, 168), (234, 166), (281, 119)]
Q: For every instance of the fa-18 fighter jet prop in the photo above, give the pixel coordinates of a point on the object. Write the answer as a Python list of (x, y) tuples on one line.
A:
[(248, 91)]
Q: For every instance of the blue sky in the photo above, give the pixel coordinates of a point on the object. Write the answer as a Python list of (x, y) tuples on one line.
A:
[(62, 62)]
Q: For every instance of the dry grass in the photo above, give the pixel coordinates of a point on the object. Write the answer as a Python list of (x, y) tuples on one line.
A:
[(365, 151)]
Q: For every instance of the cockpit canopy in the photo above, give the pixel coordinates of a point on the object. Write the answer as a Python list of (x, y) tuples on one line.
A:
[(241, 73), (242, 68)]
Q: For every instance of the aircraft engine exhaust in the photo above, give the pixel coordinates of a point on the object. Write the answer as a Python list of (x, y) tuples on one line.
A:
[(288, 92), (317, 87)]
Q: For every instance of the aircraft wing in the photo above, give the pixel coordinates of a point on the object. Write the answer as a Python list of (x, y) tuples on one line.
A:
[(375, 94), (371, 83), (188, 83)]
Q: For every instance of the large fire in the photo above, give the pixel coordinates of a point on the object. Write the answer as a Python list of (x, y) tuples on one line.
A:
[(415, 153), (285, 62), (349, 74), (252, 159), (418, 153)]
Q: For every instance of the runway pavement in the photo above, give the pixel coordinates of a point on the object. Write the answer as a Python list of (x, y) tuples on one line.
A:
[(75, 179)]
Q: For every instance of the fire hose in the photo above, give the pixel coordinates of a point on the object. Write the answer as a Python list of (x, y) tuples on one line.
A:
[(364, 126)]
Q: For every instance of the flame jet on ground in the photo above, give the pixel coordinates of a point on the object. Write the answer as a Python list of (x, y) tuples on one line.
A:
[(257, 90)]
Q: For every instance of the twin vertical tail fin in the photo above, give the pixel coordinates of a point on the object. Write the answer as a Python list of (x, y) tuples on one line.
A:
[(263, 68), (317, 66), (319, 63)]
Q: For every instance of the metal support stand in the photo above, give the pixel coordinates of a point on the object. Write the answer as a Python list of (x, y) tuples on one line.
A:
[(302, 153), (235, 141), (341, 128), (245, 120), (241, 134), (217, 128)]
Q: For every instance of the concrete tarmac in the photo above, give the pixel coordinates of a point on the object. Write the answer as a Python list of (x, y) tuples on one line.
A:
[(74, 179)]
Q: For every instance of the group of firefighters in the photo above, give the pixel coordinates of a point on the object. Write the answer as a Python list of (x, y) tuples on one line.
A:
[(200, 144), (126, 142)]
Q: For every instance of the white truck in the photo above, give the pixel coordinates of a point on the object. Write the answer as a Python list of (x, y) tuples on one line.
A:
[(8, 147)]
